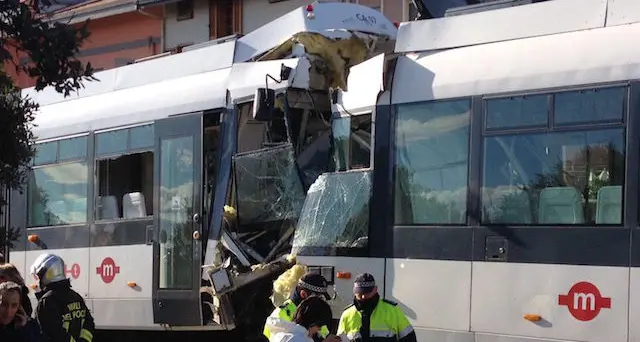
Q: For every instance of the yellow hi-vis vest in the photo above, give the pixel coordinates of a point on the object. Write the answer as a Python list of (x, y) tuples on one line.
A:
[(286, 312), (388, 323)]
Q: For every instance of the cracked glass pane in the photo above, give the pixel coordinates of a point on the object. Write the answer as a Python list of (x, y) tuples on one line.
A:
[(268, 185), (336, 212)]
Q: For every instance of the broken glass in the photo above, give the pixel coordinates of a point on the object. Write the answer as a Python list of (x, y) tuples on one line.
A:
[(336, 212), (268, 185)]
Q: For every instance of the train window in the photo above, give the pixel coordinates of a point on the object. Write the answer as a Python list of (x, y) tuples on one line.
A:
[(176, 193), (57, 195), (125, 187), (141, 137), (111, 142), (518, 111), (591, 105), (125, 177), (360, 142), (351, 142), (431, 152), (46, 153), (74, 148), (554, 178), (340, 132)]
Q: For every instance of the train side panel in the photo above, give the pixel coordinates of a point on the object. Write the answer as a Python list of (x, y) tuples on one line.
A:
[(121, 286)]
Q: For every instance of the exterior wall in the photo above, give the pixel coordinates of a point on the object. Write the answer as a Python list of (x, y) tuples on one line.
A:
[(392, 9), (114, 41), (259, 12), (187, 31), (121, 39)]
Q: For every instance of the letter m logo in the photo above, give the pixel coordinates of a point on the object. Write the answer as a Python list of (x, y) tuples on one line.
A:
[(582, 300), (107, 270)]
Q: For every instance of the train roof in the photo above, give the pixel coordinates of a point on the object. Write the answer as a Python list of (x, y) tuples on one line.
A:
[(605, 52), (328, 19), (149, 102), (518, 22), (365, 84), (197, 79), (135, 105)]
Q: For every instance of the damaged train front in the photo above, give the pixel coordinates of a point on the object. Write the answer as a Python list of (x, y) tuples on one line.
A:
[(282, 130)]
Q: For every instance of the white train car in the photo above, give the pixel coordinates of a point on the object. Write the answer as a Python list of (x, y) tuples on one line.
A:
[(132, 173), (503, 197)]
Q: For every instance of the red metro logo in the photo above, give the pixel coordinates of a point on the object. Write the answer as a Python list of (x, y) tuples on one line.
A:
[(108, 270), (584, 301)]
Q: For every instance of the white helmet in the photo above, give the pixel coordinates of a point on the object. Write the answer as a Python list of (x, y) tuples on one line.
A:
[(47, 269)]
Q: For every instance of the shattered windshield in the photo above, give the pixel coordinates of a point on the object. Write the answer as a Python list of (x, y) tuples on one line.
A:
[(268, 185), (336, 211)]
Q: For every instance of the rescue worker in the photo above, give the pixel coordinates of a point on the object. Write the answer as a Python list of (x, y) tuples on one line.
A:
[(62, 313), (371, 317), (311, 284), (311, 314)]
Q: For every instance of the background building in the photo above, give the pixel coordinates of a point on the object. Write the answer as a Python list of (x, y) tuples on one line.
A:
[(124, 31)]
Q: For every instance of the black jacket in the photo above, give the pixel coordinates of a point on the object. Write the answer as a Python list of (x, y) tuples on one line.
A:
[(29, 333), (25, 301), (63, 314)]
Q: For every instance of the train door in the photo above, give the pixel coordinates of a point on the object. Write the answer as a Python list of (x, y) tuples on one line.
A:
[(178, 204)]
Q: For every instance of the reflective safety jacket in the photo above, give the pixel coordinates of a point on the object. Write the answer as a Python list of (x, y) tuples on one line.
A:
[(286, 312), (63, 314), (386, 323)]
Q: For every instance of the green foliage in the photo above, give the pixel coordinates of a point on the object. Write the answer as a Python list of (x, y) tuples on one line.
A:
[(52, 49)]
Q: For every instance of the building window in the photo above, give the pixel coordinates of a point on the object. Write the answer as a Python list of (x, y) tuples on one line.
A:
[(225, 18), (556, 174), (124, 168), (58, 185), (431, 162), (184, 10)]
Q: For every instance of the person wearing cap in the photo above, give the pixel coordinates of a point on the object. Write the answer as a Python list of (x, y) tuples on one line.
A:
[(371, 317), (312, 314), (310, 285)]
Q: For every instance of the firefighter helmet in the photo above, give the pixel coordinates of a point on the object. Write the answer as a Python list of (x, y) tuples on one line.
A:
[(47, 269)]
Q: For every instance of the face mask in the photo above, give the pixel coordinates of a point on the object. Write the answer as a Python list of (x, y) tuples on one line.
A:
[(367, 304)]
